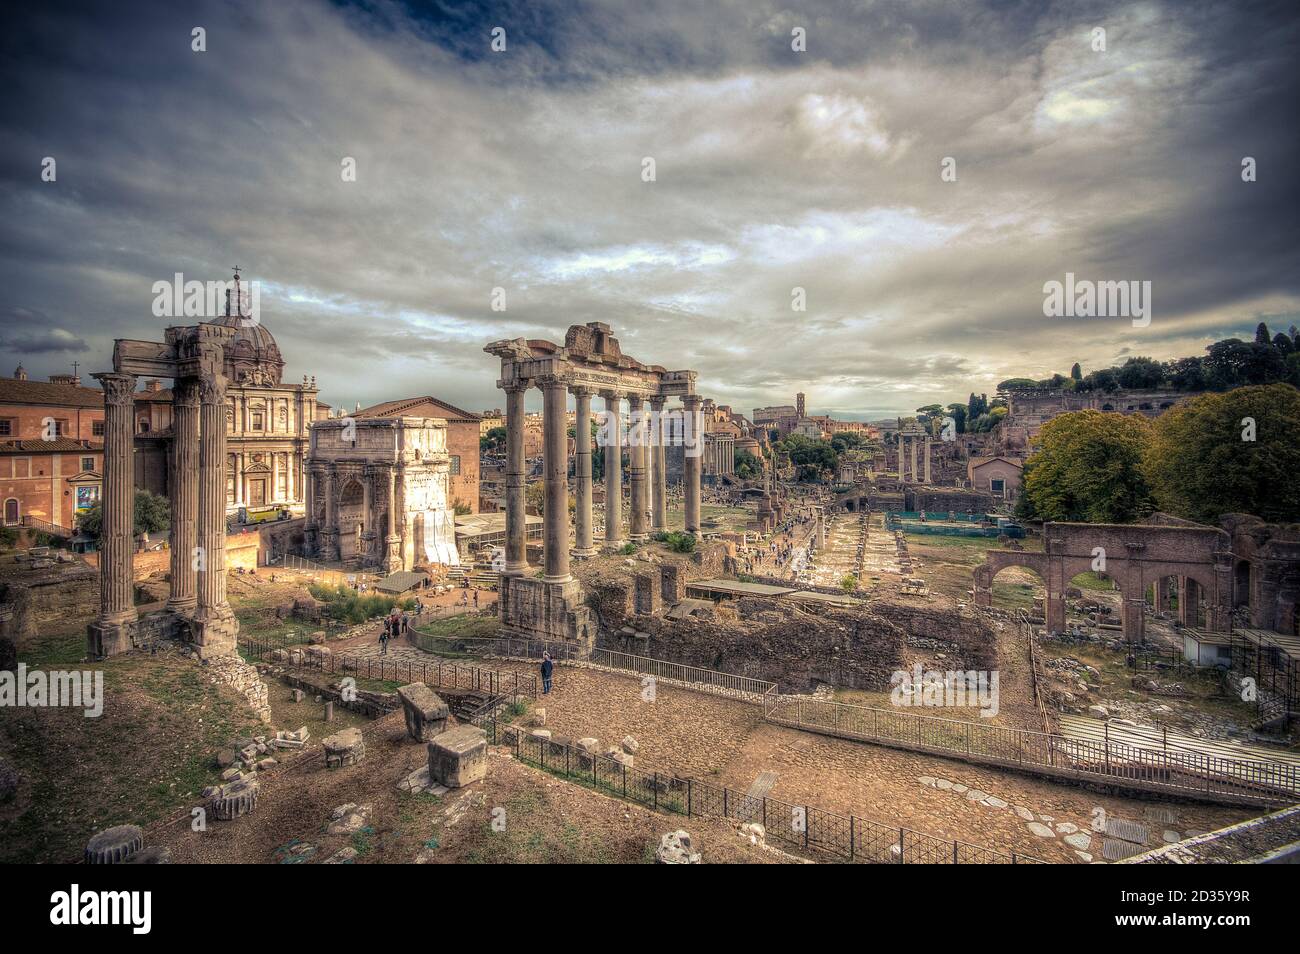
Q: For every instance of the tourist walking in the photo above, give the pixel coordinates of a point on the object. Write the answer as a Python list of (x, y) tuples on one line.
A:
[(384, 636), (548, 667)]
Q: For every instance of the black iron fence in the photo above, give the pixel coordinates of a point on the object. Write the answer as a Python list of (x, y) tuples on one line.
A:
[(435, 673), (1172, 770), (791, 826)]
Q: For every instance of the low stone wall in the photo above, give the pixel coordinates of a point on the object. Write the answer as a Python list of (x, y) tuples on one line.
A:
[(800, 646), (1269, 839), (243, 678), (372, 705), (59, 593)]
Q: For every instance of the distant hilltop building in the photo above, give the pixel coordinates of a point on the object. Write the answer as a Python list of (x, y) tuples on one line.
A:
[(789, 419), (1028, 409)]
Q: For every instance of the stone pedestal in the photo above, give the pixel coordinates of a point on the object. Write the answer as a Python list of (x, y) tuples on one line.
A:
[(458, 757), (344, 748), (536, 609), (426, 713)]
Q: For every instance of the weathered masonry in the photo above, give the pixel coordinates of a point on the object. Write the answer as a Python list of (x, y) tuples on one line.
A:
[(193, 357), (588, 364), (1250, 567)]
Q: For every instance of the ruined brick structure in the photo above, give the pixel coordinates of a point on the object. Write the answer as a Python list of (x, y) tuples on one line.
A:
[(1250, 565)]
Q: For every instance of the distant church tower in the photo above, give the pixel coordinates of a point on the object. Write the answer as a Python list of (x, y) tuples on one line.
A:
[(799, 405), (20, 373)]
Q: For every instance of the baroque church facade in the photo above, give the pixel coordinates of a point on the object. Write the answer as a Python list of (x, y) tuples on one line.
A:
[(268, 421)]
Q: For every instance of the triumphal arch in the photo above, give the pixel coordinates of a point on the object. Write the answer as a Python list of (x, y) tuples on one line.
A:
[(590, 363)]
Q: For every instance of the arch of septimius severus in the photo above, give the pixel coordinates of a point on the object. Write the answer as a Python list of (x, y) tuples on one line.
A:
[(588, 364), (193, 357)]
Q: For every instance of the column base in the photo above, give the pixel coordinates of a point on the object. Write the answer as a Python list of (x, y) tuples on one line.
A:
[(546, 610), (328, 545), (583, 553), (106, 637), (183, 607), (613, 546), (214, 631)]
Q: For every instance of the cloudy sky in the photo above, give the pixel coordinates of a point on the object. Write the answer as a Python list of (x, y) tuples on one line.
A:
[(774, 169)]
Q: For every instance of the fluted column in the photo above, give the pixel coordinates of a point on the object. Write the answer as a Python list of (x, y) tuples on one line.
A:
[(927, 460), (392, 542), (516, 515), (636, 458), (184, 484), (582, 472), (691, 461), (556, 470), (902, 458), (659, 466), (613, 470), (216, 628), (112, 631), (912, 462)]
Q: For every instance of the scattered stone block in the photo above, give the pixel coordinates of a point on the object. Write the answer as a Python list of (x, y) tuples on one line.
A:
[(541, 735), (237, 798), (537, 716), (113, 846), (630, 745), (151, 856), (344, 748), (458, 757), (348, 819), (344, 856), (675, 849), (426, 713), (297, 695)]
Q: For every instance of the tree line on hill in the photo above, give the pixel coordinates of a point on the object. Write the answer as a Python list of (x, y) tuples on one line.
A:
[(1227, 364)]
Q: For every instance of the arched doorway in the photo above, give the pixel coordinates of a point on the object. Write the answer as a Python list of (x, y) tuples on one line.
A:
[(351, 520)]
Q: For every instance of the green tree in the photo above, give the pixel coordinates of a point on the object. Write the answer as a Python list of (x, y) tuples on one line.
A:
[(958, 412), (1261, 334), (1087, 465), (1076, 372), (494, 441), (1201, 464), (152, 514), (747, 466)]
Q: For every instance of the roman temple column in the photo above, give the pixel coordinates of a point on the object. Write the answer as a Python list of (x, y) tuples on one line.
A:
[(612, 432), (216, 627), (184, 485), (902, 462), (636, 457), (582, 471), (516, 520), (659, 469), (912, 460), (694, 445), (113, 629), (927, 460), (555, 468)]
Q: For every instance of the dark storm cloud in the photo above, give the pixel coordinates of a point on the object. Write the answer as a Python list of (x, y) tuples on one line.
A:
[(775, 170)]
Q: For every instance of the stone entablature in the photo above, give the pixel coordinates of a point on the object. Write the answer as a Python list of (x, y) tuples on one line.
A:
[(378, 493)]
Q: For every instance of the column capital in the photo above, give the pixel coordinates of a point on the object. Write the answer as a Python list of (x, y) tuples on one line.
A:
[(636, 401), (212, 388), (516, 387), (119, 388), (692, 401), (551, 382), (185, 392), (657, 401), (582, 390), (611, 395)]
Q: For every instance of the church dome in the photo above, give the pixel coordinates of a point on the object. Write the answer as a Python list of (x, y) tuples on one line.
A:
[(252, 357)]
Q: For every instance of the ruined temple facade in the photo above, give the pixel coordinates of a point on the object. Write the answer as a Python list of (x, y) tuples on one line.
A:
[(193, 358), (379, 493), (590, 363)]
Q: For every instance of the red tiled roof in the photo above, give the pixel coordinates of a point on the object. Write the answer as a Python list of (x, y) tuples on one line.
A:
[(49, 447), (14, 391)]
